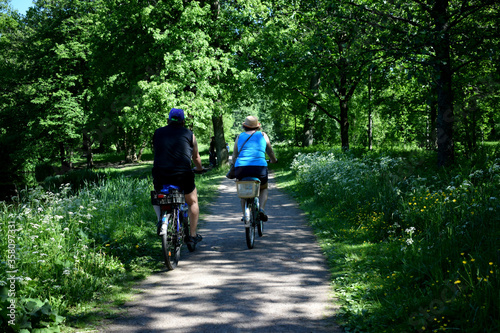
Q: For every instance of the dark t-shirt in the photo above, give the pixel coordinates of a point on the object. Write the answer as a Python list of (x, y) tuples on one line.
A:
[(173, 149)]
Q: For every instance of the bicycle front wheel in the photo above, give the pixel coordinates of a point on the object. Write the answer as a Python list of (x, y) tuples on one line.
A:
[(250, 225), (169, 241), (260, 223)]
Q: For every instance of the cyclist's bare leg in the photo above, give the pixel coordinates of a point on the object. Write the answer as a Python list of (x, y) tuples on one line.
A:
[(157, 211), (243, 205), (193, 212), (263, 196)]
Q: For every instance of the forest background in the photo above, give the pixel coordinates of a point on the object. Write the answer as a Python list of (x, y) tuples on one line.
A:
[(81, 79)]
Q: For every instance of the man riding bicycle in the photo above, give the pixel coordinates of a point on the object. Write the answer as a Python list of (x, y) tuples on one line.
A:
[(249, 152), (174, 146)]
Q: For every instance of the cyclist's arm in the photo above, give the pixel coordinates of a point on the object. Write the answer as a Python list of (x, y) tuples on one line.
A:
[(269, 149), (235, 150), (196, 155)]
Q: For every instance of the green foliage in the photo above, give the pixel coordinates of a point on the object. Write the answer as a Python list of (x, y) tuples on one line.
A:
[(77, 247), (102, 75), (411, 247), (29, 315)]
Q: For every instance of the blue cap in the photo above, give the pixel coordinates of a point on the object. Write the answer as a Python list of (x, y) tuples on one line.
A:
[(176, 115)]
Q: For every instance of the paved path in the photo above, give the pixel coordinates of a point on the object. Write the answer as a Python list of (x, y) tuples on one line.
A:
[(281, 285)]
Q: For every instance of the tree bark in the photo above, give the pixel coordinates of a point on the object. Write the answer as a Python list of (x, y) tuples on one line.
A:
[(445, 116), (220, 141), (370, 121), (308, 138), (432, 126), (66, 164), (87, 148), (344, 124)]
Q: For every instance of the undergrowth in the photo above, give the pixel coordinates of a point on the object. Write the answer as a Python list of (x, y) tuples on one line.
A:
[(68, 247), (412, 247)]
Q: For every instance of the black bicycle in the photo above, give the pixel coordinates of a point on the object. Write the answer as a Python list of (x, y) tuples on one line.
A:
[(174, 223), (173, 228), (248, 188)]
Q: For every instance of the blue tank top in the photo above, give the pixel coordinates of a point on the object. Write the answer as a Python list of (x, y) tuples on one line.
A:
[(254, 151)]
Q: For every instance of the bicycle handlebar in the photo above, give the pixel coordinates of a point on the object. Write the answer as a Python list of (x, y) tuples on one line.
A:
[(199, 172)]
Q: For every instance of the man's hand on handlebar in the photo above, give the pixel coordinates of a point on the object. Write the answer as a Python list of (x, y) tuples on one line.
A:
[(199, 172)]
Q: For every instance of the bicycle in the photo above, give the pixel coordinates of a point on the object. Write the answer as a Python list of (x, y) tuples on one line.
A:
[(174, 224), (248, 188)]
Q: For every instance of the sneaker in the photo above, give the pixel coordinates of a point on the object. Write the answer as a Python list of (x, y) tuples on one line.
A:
[(196, 239), (192, 241), (262, 216)]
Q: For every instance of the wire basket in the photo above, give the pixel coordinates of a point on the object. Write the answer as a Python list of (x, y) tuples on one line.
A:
[(175, 197), (248, 188)]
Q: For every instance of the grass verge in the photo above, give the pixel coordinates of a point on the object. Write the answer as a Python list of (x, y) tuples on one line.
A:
[(412, 248), (72, 253)]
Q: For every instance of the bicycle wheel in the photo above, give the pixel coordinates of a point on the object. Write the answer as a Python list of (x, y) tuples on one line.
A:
[(259, 222), (250, 226), (169, 242)]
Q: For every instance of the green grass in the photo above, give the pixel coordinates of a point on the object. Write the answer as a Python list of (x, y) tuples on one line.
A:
[(81, 242), (411, 248)]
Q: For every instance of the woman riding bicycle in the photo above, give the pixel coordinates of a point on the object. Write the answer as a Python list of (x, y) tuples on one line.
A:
[(249, 152)]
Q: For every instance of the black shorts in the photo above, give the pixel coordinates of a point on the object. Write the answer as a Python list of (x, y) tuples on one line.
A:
[(184, 181), (252, 171)]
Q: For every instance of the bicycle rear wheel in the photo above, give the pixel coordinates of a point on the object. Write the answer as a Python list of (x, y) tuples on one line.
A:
[(250, 225), (170, 242)]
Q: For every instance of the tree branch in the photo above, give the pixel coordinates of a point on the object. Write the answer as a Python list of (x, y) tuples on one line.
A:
[(311, 100)]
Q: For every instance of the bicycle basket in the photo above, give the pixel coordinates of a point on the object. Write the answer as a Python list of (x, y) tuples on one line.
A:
[(174, 197), (248, 188)]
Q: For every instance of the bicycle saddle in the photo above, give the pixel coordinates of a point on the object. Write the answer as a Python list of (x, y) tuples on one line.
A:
[(167, 188), (251, 178)]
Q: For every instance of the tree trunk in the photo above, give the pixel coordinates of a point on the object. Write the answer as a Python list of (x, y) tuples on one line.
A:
[(308, 139), (445, 116), (130, 151), (432, 125), (66, 164), (343, 103), (344, 124), (87, 148), (220, 141), (370, 121), (143, 146)]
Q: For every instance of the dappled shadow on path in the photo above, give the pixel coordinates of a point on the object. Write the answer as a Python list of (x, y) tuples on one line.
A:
[(282, 285)]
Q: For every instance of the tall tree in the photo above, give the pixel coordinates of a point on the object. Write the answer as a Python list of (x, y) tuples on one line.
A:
[(152, 57), (55, 55), (443, 34), (308, 39)]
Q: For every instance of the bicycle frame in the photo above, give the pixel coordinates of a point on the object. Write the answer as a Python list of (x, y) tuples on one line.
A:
[(249, 189)]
